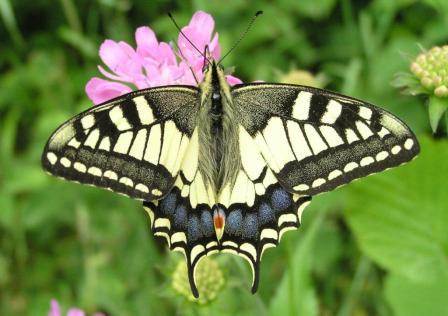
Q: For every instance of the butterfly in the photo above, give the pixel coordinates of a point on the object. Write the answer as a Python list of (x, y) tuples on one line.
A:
[(222, 168)]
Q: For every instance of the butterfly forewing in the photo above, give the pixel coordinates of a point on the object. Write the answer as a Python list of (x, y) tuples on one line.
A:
[(315, 140), (133, 144)]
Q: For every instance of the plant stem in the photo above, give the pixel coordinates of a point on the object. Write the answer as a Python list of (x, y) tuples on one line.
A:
[(10, 22), (361, 274), (72, 15)]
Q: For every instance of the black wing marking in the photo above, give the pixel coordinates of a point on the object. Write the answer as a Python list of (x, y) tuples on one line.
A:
[(132, 145), (315, 140)]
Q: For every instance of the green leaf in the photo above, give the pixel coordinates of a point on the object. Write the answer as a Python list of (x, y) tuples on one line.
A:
[(315, 9), (82, 43), (351, 76), (439, 5), (24, 176), (399, 217), (408, 84), (409, 298), (446, 121), (7, 213), (436, 108), (8, 134), (296, 294), (9, 19)]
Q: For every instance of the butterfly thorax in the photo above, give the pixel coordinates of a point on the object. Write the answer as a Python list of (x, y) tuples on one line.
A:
[(219, 159)]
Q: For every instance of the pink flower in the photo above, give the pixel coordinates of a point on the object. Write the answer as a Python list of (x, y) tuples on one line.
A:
[(155, 63), (55, 310), (199, 31)]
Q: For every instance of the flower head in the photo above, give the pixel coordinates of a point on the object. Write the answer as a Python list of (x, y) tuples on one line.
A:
[(431, 68), (153, 63), (429, 76), (209, 280)]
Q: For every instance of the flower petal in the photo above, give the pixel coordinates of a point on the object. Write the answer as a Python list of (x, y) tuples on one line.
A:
[(122, 59), (199, 32), (145, 38), (167, 52), (75, 312), (232, 80), (150, 50), (187, 75), (109, 75), (112, 54), (100, 90), (215, 49), (55, 310), (201, 25)]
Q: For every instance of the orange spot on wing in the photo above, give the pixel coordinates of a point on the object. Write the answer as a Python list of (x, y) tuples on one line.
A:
[(218, 220)]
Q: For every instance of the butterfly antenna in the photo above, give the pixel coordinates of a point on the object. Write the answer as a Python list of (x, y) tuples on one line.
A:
[(242, 35), (182, 57), (180, 31)]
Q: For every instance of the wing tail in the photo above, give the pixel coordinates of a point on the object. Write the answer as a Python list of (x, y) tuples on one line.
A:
[(184, 218)]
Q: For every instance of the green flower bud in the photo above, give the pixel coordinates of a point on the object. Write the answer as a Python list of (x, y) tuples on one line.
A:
[(437, 81), (416, 69), (441, 91), (426, 82), (429, 75), (209, 280)]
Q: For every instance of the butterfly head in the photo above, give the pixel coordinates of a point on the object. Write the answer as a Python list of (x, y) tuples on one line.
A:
[(210, 65), (213, 73), (209, 62)]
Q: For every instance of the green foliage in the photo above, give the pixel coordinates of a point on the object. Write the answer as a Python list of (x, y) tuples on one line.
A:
[(437, 107), (403, 229), (377, 247), (411, 298)]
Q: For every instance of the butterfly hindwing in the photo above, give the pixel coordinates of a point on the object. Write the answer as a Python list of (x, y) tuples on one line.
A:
[(258, 209), (132, 145), (315, 140), (184, 215)]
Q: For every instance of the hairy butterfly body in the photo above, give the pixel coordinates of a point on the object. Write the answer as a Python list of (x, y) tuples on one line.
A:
[(222, 168)]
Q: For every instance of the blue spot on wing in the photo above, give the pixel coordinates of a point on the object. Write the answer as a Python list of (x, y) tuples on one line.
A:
[(168, 204), (280, 199), (266, 214), (234, 222), (194, 228), (250, 227), (180, 217), (207, 226)]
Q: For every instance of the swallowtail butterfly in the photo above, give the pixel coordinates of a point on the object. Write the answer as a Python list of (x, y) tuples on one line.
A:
[(222, 168)]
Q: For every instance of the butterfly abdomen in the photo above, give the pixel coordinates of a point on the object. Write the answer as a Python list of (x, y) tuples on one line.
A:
[(219, 158)]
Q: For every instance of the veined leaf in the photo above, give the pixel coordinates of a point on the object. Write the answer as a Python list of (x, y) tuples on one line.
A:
[(400, 217), (409, 298)]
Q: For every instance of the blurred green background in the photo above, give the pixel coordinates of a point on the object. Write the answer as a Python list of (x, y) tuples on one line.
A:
[(376, 247)]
